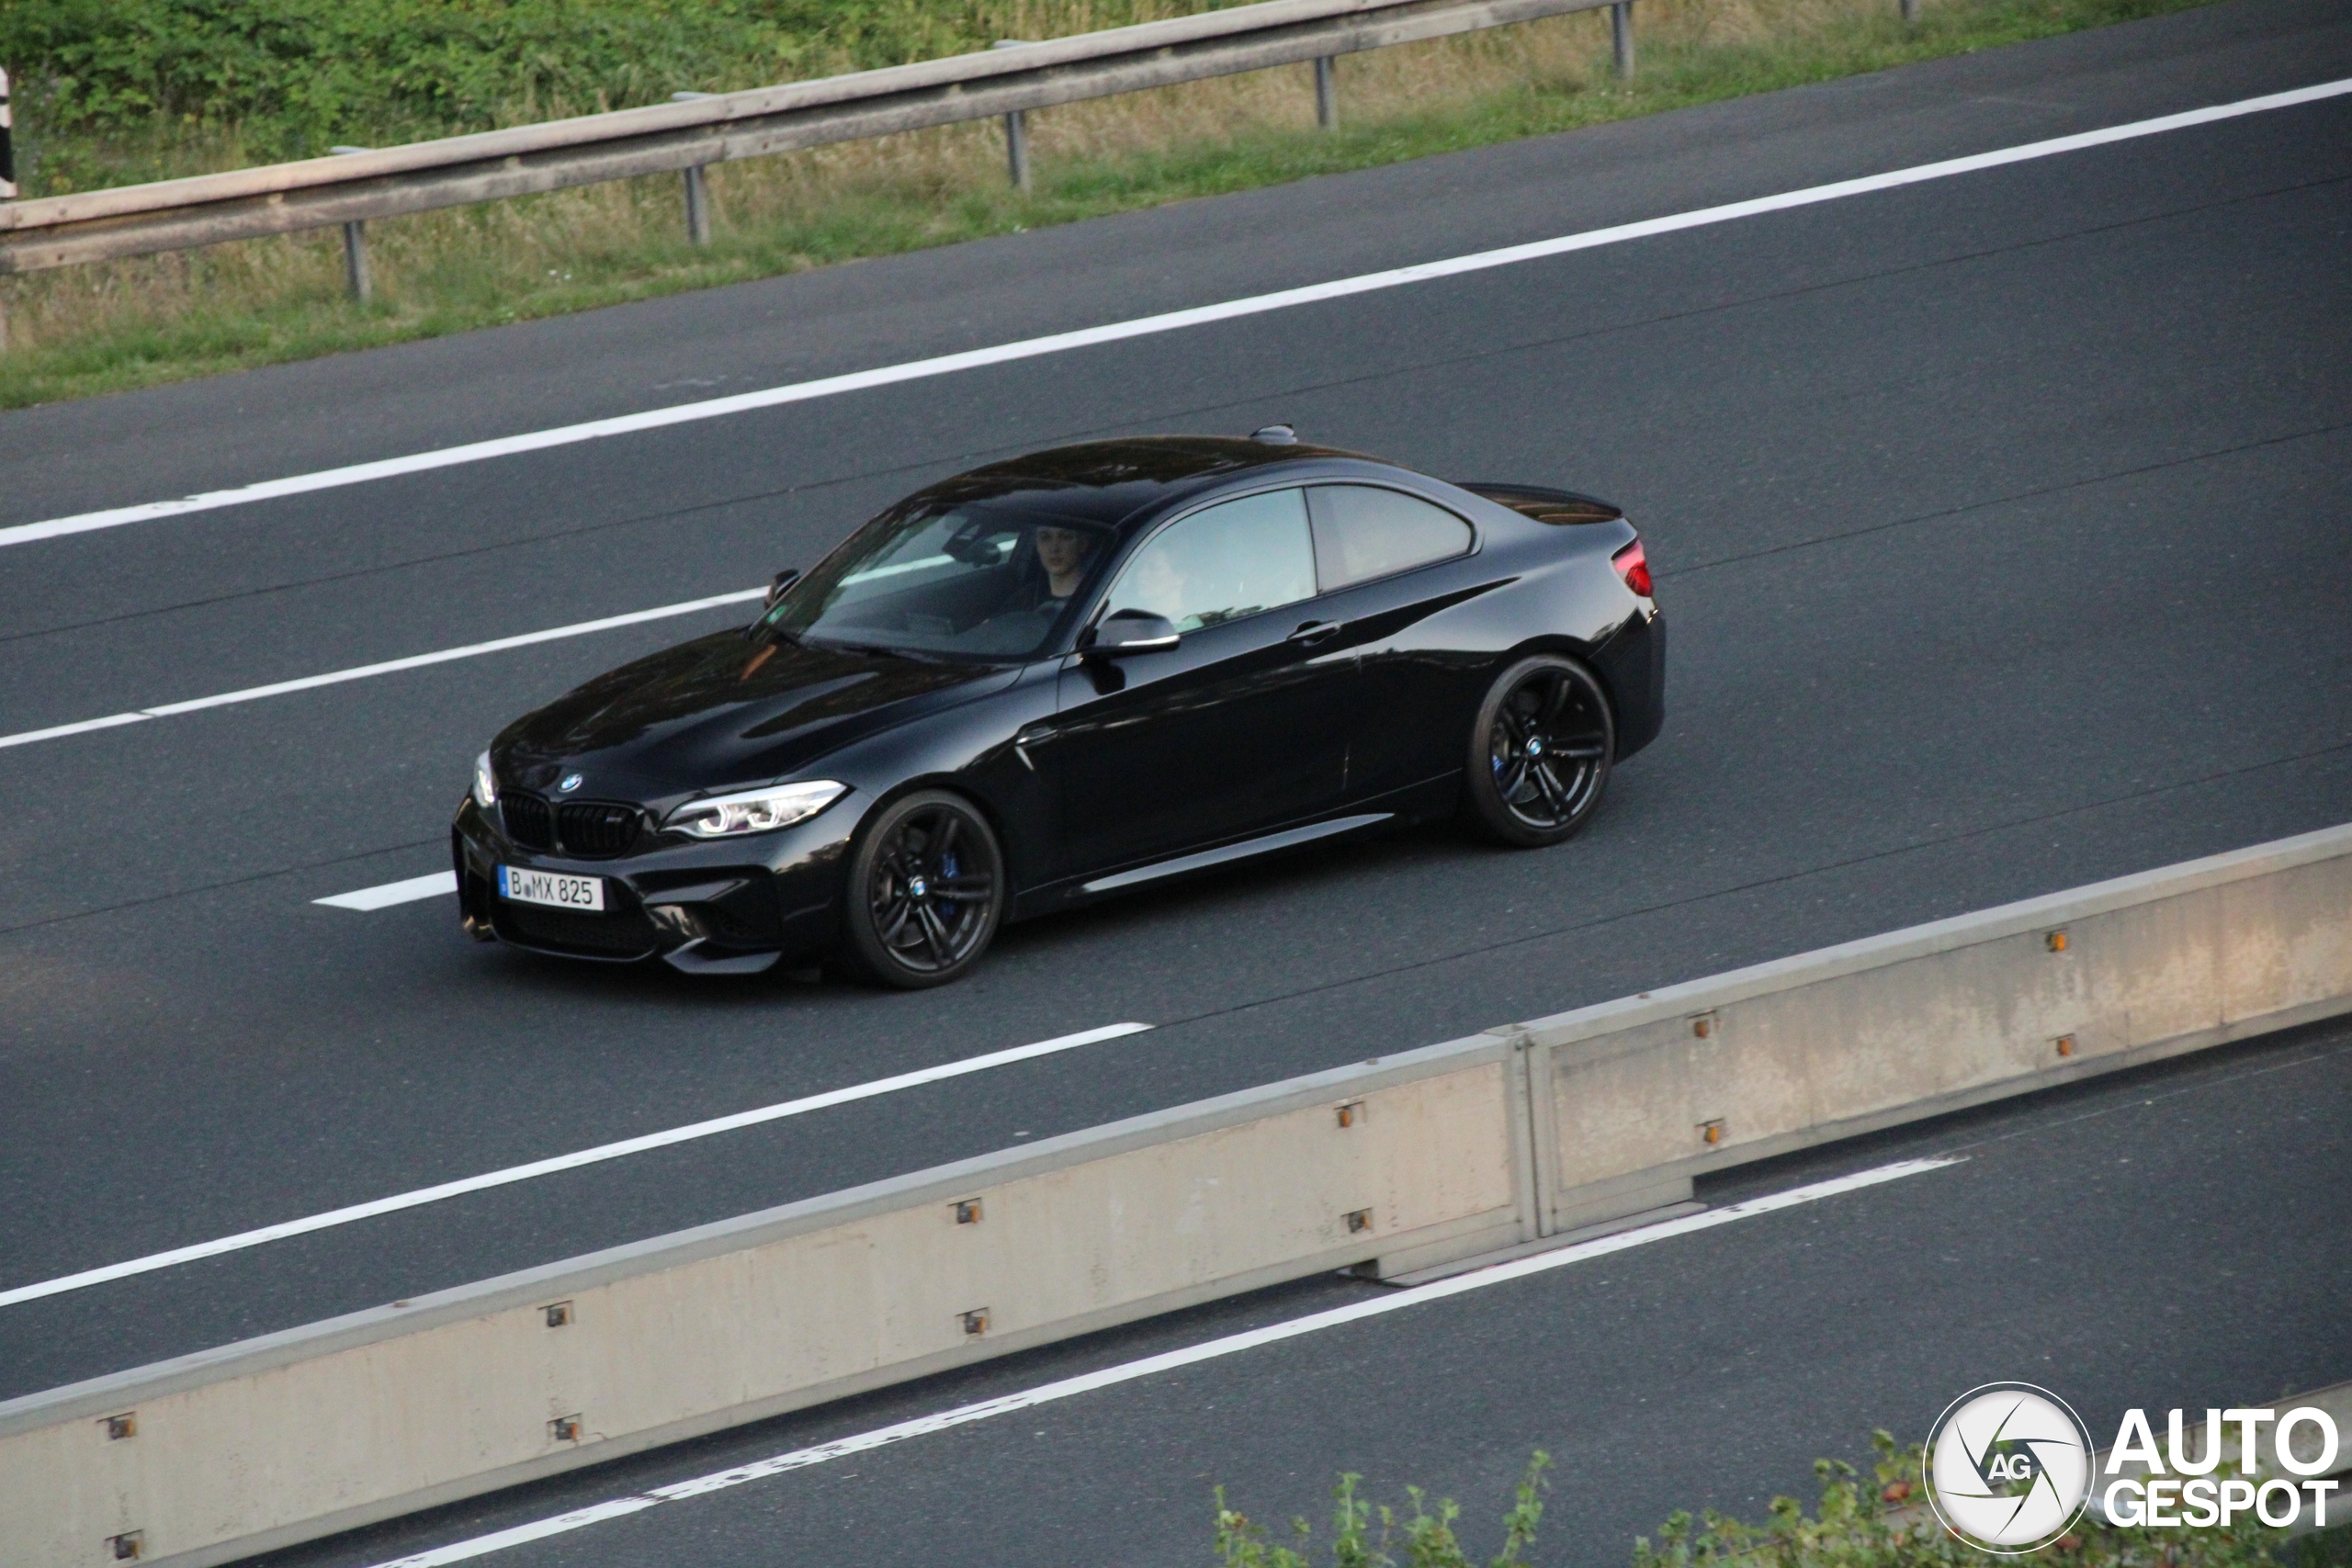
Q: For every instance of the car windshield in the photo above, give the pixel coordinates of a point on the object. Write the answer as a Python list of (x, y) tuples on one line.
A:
[(962, 581)]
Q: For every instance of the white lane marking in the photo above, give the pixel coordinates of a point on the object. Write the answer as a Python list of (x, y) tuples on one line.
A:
[(1086, 1382), (1141, 326), (384, 895), (368, 671), (548, 1167)]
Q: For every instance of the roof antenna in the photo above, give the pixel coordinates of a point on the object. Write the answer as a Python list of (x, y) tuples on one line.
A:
[(1276, 435)]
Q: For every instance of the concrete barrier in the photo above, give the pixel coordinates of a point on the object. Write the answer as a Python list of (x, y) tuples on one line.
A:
[(1425, 1160), (1634, 1098)]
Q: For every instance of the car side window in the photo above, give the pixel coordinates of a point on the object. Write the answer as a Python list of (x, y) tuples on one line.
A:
[(1363, 531), (1223, 562)]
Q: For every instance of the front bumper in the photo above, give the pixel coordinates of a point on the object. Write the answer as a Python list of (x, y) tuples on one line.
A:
[(729, 906)]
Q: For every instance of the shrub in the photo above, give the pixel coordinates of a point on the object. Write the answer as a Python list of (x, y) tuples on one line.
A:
[(1426, 1538), (1889, 1525), (1886, 1523)]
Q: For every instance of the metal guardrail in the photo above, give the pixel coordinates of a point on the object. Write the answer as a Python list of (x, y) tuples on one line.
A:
[(696, 130), (1427, 1161)]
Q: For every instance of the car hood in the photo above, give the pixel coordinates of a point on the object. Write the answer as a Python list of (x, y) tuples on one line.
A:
[(723, 712)]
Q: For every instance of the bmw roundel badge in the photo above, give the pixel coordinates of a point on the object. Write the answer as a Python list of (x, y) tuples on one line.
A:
[(570, 782)]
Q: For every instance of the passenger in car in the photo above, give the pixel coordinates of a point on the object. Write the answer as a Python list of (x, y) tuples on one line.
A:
[(1157, 584)]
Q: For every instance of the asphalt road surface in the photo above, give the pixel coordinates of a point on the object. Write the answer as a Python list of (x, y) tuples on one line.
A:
[(2002, 525)]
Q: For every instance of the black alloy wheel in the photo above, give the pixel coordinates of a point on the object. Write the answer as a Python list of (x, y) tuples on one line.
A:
[(926, 891), (1540, 752)]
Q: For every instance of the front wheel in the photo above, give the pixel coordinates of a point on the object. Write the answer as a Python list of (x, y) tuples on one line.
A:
[(1540, 752), (926, 891)]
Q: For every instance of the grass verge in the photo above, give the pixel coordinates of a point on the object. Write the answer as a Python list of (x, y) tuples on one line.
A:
[(105, 327), (1858, 1524)]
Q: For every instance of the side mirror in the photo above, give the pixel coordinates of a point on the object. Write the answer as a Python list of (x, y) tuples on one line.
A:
[(783, 580), (1132, 631)]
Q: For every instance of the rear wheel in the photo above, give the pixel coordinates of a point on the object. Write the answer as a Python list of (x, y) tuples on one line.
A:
[(1540, 752), (926, 891)]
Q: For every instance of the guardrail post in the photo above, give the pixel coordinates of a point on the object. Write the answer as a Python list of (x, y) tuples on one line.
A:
[(356, 280), (355, 261), (697, 192), (1016, 150), (1016, 131), (7, 151), (1621, 35), (697, 207), (8, 183), (1327, 94)]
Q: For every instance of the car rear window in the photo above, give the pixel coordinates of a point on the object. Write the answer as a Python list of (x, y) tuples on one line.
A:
[(1363, 531)]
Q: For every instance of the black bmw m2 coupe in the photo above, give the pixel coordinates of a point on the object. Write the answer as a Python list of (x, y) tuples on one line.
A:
[(1058, 678)]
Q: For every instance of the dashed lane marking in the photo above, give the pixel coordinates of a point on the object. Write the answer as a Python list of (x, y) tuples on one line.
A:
[(573, 1161), (370, 671), (383, 896)]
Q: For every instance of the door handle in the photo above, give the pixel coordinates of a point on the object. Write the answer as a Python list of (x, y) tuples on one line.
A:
[(1313, 632)]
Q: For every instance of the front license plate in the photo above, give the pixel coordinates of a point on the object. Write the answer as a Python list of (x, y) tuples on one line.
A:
[(548, 887)]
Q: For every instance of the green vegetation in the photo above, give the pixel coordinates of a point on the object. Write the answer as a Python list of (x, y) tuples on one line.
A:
[(113, 91), (266, 80), (1886, 1525), (1881, 1524), (1425, 1536)]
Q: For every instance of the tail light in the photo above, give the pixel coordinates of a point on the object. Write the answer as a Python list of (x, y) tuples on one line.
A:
[(1633, 566)]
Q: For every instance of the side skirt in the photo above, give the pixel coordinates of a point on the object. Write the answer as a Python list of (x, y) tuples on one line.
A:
[(1431, 800), (1265, 844)]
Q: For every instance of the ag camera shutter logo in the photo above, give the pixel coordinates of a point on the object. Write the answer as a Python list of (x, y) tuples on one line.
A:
[(2008, 1467)]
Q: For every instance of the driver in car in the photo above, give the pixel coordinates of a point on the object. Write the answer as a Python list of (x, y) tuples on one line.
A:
[(1062, 552)]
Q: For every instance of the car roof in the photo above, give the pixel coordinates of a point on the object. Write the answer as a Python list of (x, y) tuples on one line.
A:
[(1108, 482)]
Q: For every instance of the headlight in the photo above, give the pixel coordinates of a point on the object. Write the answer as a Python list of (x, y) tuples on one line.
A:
[(485, 783), (755, 810)]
